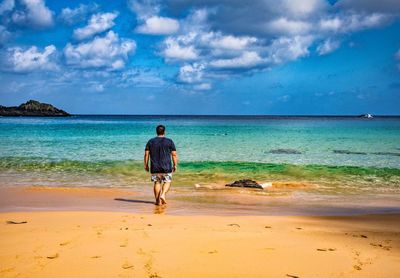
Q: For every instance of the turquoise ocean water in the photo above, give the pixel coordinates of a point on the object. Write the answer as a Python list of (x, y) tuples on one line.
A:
[(328, 155)]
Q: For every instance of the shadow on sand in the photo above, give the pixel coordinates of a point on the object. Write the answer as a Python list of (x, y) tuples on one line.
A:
[(134, 201), (157, 209)]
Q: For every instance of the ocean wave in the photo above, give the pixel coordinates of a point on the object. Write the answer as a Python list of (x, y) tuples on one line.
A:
[(195, 167)]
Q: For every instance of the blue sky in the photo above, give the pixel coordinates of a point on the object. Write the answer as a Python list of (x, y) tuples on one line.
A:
[(202, 57)]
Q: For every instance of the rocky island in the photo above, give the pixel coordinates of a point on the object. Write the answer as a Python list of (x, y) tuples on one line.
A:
[(32, 108)]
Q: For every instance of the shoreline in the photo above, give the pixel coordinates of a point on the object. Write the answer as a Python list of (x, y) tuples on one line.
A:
[(191, 201)]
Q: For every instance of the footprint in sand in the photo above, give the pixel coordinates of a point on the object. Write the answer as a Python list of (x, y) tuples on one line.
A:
[(124, 244), (154, 275), (95, 257), (213, 252), (53, 256), (64, 243), (357, 267), (384, 247), (268, 227), (127, 266)]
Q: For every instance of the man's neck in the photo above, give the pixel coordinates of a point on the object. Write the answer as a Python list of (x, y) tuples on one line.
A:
[(161, 135)]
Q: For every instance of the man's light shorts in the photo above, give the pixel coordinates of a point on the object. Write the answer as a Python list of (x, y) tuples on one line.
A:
[(167, 177)]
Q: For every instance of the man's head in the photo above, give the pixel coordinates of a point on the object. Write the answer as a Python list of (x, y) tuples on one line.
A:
[(160, 130)]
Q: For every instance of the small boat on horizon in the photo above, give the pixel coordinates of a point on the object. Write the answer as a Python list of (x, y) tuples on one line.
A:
[(367, 116)]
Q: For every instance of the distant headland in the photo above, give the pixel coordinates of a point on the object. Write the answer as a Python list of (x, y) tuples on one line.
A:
[(32, 108)]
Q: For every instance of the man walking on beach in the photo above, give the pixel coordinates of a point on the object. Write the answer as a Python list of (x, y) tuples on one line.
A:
[(160, 150)]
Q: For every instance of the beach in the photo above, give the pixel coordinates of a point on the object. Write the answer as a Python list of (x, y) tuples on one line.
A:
[(76, 202), (87, 236)]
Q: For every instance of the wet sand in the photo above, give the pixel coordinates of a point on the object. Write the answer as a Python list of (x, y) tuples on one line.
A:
[(84, 232)]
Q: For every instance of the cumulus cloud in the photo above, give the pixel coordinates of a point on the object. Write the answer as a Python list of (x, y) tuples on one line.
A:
[(218, 40), (157, 25), (351, 22), (32, 13), (98, 23), (289, 49), (286, 26), (302, 8), (248, 59), (328, 46), (191, 73), (109, 52), (79, 14), (175, 49), (149, 20), (16, 59), (144, 8)]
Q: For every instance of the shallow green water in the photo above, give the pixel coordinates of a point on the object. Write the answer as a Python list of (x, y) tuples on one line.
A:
[(336, 154)]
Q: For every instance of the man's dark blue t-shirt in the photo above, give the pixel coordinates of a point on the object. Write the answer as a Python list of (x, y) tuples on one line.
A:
[(160, 154)]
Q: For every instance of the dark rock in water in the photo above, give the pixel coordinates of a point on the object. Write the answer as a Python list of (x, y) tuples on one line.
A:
[(32, 108), (387, 153), (245, 183), (348, 152), (284, 151)]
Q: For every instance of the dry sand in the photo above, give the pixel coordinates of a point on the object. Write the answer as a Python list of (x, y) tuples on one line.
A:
[(79, 243), (116, 244)]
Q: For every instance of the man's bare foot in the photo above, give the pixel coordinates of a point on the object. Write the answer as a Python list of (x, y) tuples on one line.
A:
[(158, 202), (162, 198)]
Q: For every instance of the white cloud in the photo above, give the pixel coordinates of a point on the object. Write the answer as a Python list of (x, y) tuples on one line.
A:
[(247, 60), (330, 24), (289, 48), (352, 22), (34, 14), (17, 59), (79, 14), (228, 42), (328, 46), (174, 49), (6, 5), (286, 26), (109, 52), (98, 23), (303, 8), (144, 8), (191, 73), (157, 25)]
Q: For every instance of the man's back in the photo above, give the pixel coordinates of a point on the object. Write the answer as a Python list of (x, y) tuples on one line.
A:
[(160, 149)]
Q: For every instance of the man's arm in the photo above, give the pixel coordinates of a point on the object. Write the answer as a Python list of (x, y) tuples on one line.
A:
[(146, 160), (174, 160)]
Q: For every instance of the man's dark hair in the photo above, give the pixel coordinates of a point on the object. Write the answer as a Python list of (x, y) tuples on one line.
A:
[(160, 130)]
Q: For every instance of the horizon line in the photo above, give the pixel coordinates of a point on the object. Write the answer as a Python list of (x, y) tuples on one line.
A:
[(242, 115)]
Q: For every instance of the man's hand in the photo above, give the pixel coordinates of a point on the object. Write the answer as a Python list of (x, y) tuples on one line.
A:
[(174, 168), (146, 160)]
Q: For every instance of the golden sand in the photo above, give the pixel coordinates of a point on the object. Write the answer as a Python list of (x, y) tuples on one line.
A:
[(117, 244)]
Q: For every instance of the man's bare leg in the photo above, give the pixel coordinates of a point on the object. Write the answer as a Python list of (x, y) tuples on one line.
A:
[(157, 192), (164, 191)]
